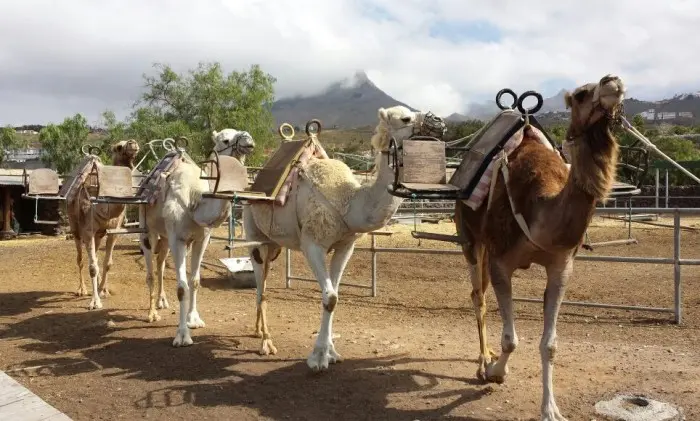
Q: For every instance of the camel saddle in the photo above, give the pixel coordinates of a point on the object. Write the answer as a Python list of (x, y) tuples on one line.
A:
[(151, 185), (280, 172), (78, 177)]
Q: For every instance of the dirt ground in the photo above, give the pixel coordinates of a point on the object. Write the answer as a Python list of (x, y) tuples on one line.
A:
[(409, 352)]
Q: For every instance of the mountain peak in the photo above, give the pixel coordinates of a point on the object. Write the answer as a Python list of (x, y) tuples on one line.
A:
[(351, 102)]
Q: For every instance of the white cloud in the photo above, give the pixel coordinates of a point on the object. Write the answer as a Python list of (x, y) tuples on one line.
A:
[(78, 55)]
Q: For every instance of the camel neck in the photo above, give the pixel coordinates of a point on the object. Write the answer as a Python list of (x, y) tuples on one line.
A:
[(373, 206), (592, 173)]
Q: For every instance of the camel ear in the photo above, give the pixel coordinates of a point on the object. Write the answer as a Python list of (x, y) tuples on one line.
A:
[(214, 133), (567, 100), (117, 147), (382, 114)]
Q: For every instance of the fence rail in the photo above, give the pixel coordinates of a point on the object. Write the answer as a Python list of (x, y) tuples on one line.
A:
[(676, 261)]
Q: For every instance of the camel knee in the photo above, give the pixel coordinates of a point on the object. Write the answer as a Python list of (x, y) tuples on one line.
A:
[(195, 283), (509, 342), (181, 291), (93, 270), (548, 348)]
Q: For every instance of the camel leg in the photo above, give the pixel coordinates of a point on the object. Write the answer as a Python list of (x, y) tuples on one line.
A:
[(557, 277), (315, 255), (79, 249), (194, 321), (147, 249), (501, 280), (179, 249), (261, 271), (339, 261), (109, 248), (90, 247), (162, 251), (479, 275)]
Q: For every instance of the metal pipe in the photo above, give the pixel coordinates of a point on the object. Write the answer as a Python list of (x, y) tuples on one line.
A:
[(302, 279), (657, 188), (288, 267), (374, 264), (677, 297), (600, 305), (667, 188)]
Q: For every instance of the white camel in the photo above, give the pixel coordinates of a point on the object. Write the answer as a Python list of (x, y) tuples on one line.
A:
[(327, 210), (179, 218)]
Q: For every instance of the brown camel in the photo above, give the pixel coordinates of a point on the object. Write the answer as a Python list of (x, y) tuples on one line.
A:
[(90, 226), (557, 205)]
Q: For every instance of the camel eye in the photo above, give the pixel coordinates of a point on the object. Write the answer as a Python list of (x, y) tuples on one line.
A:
[(406, 119)]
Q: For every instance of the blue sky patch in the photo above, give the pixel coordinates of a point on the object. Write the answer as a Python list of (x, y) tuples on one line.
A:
[(460, 31), (376, 12)]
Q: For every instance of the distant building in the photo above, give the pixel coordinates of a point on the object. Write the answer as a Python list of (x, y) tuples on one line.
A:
[(29, 158)]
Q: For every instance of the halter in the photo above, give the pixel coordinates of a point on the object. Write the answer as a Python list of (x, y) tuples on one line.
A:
[(236, 143), (614, 115)]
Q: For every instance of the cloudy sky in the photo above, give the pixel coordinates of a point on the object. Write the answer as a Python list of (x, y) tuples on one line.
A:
[(62, 57)]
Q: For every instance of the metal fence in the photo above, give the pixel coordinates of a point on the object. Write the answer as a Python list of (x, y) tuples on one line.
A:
[(675, 261)]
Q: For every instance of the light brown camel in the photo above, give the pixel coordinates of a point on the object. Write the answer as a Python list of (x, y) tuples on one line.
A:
[(557, 205), (90, 226)]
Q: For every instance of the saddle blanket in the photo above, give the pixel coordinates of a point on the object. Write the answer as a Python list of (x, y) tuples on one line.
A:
[(77, 177), (482, 188)]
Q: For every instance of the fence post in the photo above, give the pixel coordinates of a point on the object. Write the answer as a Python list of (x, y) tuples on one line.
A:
[(288, 267), (667, 188), (374, 264), (657, 188), (677, 287)]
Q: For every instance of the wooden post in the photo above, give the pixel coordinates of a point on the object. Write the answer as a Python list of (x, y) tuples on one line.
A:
[(6, 233)]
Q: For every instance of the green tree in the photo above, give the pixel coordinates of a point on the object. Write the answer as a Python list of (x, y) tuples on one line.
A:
[(9, 141), (61, 143), (202, 100)]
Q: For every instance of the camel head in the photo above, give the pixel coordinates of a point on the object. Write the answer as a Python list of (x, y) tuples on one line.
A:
[(124, 153), (233, 142), (592, 102), (397, 122)]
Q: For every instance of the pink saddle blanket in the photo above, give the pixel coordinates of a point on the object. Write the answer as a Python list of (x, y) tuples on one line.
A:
[(315, 150), (481, 191)]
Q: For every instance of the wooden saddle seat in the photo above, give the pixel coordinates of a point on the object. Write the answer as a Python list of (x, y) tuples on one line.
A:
[(272, 182), (41, 182)]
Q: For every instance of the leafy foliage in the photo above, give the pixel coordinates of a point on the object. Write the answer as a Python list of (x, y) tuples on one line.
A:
[(9, 140), (200, 101), (61, 143)]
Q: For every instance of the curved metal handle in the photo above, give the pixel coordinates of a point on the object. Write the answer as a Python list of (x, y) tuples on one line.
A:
[(182, 139), (168, 144), (534, 109), (87, 149), (509, 92), (290, 131), (315, 122)]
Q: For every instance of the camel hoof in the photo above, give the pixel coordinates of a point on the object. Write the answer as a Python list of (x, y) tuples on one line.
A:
[(162, 303), (153, 317), (105, 293), (258, 333), (321, 357), (95, 305), (267, 347), (194, 321), (81, 292), (182, 338), (495, 377)]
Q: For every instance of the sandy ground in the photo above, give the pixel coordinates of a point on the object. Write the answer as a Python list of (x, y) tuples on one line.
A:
[(409, 352)]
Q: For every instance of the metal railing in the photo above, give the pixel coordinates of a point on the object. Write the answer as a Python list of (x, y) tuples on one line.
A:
[(676, 261)]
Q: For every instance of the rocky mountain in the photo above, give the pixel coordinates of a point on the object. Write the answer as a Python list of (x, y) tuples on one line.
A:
[(354, 103), (346, 104), (683, 109)]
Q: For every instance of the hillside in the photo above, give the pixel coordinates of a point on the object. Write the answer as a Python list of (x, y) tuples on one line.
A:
[(347, 104)]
